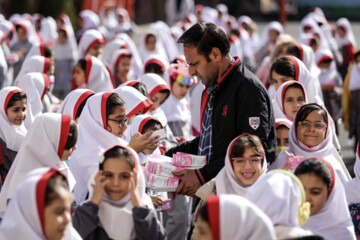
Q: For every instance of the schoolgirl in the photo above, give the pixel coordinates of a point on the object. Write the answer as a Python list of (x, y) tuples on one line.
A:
[(281, 196), (110, 48), (118, 207), (310, 136), (57, 136), (34, 64), (40, 208), (223, 217), (74, 103), (121, 66), (290, 96), (91, 73), (91, 43), (151, 44), (329, 213), (12, 129), (282, 126)]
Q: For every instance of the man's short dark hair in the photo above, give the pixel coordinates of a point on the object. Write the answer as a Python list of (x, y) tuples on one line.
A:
[(206, 36)]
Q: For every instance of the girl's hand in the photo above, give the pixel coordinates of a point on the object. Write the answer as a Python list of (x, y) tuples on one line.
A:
[(157, 201), (99, 188), (287, 165), (134, 190), (140, 142)]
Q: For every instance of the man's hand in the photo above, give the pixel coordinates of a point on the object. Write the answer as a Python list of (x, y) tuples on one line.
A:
[(189, 183)]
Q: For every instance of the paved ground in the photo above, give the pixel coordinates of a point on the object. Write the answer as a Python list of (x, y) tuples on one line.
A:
[(292, 28)]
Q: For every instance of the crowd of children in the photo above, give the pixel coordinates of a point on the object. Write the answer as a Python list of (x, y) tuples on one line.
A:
[(85, 115)]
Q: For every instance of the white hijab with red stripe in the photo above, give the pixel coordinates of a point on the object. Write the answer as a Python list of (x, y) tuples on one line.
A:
[(110, 48), (352, 188), (24, 217), (278, 101), (349, 37), (89, 39), (234, 217), (73, 100), (330, 75), (43, 146), (12, 135), (159, 48), (90, 19), (36, 50), (226, 180), (116, 57), (93, 139), (35, 86), (38, 64)]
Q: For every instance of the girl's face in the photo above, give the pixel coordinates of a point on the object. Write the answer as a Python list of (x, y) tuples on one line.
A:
[(150, 150), (113, 125), (57, 215), (340, 31), (180, 90), (247, 171), (21, 34), (151, 43), (62, 37), (67, 153), (79, 75), (16, 114), (294, 98), (279, 79), (95, 50), (123, 67), (312, 130), (273, 35), (157, 100), (282, 136), (202, 230), (118, 172), (316, 192)]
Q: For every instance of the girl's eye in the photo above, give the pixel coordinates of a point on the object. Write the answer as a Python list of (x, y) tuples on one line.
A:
[(108, 175), (315, 192), (124, 177), (289, 100)]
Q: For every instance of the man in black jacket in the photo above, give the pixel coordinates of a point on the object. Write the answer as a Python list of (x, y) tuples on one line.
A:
[(234, 102)]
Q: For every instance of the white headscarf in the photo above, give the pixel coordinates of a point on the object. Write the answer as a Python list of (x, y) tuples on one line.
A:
[(48, 31), (307, 56), (38, 64), (116, 56), (24, 217), (89, 39), (12, 135), (159, 49), (324, 150), (333, 222), (275, 26), (280, 195), (97, 77), (355, 77), (330, 75), (121, 210), (3, 62), (90, 19), (314, 28), (93, 139), (234, 217), (73, 100), (349, 37), (35, 86), (7, 27), (69, 49), (36, 50), (352, 188), (278, 101), (226, 181), (49, 132), (110, 48), (30, 32)]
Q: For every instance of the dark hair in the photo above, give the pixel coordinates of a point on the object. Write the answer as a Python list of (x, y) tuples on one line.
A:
[(246, 141), (118, 152), (141, 88), (82, 64), (206, 36), (292, 49), (203, 213), (63, 32), (19, 96), (167, 91), (81, 106), (306, 109), (48, 51), (315, 167), (113, 101), (154, 68), (17, 27), (283, 66), (72, 138), (326, 61), (295, 85), (55, 182), (151, 124)]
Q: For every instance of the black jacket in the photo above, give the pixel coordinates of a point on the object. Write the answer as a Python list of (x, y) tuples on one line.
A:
[(241, 101)]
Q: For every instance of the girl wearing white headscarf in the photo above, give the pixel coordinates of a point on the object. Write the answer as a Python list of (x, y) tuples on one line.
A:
[(232, 217), (352, 188), (110, 48), (151, 44), (38, 64), (121, 66), (305, 140), (281, 196), (48, 32), (128, 215), (30, 208), (35, 86), (12, 129), (353, 99), (88, 20), (329, 213), (91, 39), (57, 136), (74, 103), (92, 74)]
